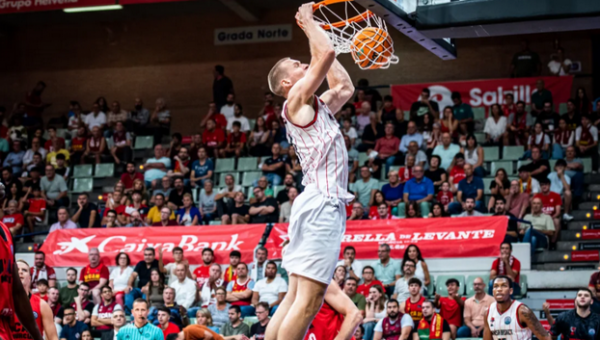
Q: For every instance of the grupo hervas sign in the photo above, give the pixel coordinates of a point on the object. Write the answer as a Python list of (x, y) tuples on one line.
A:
[(16, 6), (253, 34)]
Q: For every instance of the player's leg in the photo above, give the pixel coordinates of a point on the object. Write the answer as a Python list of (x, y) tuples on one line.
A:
[(309, 299), (282, 311)]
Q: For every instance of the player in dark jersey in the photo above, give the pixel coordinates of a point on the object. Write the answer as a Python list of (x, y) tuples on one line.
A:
[(579, 323), (12, 290), (44, 318)]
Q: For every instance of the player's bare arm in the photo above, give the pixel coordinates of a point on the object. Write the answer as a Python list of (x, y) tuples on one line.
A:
[(487, 334), (48, 321), (531, 321), (340, 302), (23, 310), (340, 87), (322, 57)]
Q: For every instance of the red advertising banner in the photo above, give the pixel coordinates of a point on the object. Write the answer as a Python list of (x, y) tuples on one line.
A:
[(482, 92), (18, 6), (593, 234), (585, 255), (135, 2), (436, 238), (65, 248)]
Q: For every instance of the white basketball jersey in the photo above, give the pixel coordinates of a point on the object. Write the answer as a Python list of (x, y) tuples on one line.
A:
[(507, 326), (322, 152)]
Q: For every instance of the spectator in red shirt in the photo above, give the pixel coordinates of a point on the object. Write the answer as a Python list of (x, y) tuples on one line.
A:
[(213, 139), (202, 272), (165, 218), (42, 287), (368, 276), (451, 306), (182, 167), (383, 213), (457, 173), (136, 205), (41, 271), (506, 265), (445, 196), (214, 115), (268, 110), (167, 327), (95, 274), (236, 141), (405, 173), (129, 176), (551, 205), (13, 219), (387, 147), (78, 144), (509, 107), (49, 145)]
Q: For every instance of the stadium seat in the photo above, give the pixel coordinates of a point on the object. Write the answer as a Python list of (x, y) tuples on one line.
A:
[(250, 320), (522, 163), (143, 142), (251, 122), (362, 158), (224, 165), (506, 165), (247, 164), (236, 178), (587, 165), (562, 108), (480, 137), (214, 223), (431, 286), (469, 283), (513, 153), (249, 177), (440, 284), (104, 170), (82, 185), (479, 113), (277, 189), (523, 284), (84, 170), (406, 115), (552, 164), (486, 185), (491, 153)]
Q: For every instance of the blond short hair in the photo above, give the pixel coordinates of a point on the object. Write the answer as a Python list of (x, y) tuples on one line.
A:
[(275, 77)]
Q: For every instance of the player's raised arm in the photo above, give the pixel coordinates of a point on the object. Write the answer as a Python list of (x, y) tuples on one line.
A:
[(340, 87), (341, 303), (526, 316)]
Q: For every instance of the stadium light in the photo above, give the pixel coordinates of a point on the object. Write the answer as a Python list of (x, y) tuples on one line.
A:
[(92, 9)]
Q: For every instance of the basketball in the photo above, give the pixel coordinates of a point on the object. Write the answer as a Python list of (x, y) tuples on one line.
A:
[(372, 48)]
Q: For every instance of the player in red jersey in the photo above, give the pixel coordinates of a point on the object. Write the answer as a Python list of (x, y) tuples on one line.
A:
[(42, 312), (337, 319), (12, 289)]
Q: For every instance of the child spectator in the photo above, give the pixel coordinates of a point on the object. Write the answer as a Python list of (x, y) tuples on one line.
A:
[(61, 168), (42, 289), (445, 195)]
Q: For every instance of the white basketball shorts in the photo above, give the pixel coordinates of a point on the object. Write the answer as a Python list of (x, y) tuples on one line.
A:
[(317, 225)]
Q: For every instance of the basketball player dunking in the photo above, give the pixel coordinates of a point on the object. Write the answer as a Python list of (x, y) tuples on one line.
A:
[(42, 312), (11, 289), (318, 218), (508, 319)]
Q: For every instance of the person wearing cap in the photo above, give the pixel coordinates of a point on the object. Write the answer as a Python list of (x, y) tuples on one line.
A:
[(551, 205), (527, 183), (560, 183)]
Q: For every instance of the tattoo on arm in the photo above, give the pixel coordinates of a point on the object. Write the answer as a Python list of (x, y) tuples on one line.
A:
[(529, 318)]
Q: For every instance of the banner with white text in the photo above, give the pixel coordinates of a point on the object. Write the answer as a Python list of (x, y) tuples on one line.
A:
[(482, 92), (436, 238), (65, 248), (18, 6)]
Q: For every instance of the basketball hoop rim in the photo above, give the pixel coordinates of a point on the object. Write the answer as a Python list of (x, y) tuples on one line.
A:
[(355, 19)]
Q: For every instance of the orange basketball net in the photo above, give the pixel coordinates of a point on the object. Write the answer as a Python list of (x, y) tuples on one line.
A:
[(342, 25)]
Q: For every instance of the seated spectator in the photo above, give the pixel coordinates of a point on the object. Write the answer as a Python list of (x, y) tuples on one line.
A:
[(136, 220), (517, 202), (61, 167), (353, 267), (285, 210), (37, 165), (110, 220), (239, 213), (13, 219), (141, 272), (575, 171), (506, 265), (274, 167), (211, 285), (358, 212), (359, 300), (457, 172), (114, 116), (372, 131), (385, 328), (363, 117), (421, 270), (560, 183), (204, 318), (235, 326), (433, 138), (129, 176), (95, 275), (49, 144), (446, 151), (182, 165), (405, 173), (495, 127), (375, 310), (135, 205), (78, 146), (413, 210), (474, 155), (469, 208), (365, 187), (220, 309), (236, 115), (423, 106), (386, 148), (538, 168), (152, 291), (541, 229), (527, 183), (207, 203), (236, 142), (418, 189), (462, 112), (225, 197), (53, 302), (214, 115), (121, 150), (160, 120), (288, 183), (352, 160), (499, 187), (72, 328), (137, 119), (164, 323), (420, 156), (76, 118), (445, 196), (119, 276), (278, 135), (95, 148), (271, 289), (258, 145), (96, 118), (548, 118), (239, 291), (539, 139), (393, 192), (264, 210), (519, 124), (469, 187), (156, 167), (383, 213), (188, 215), (500, 209), (435, 173), (68, 292), (378, 199), (15, 158), (41, 271), (368, 280), (28, 161), (185, 288), (102, 313), (174, 146), (401, 292), (571, 117), (474, 312), (213, 139), (82, 305), (387, 270), (349, 130), (563, 138), (175, 200), (551, 205), (438, 210), (64, 222), (165, 220), (202, 169), (586, 140), (412, 134), (412, 305), (451, 306)]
